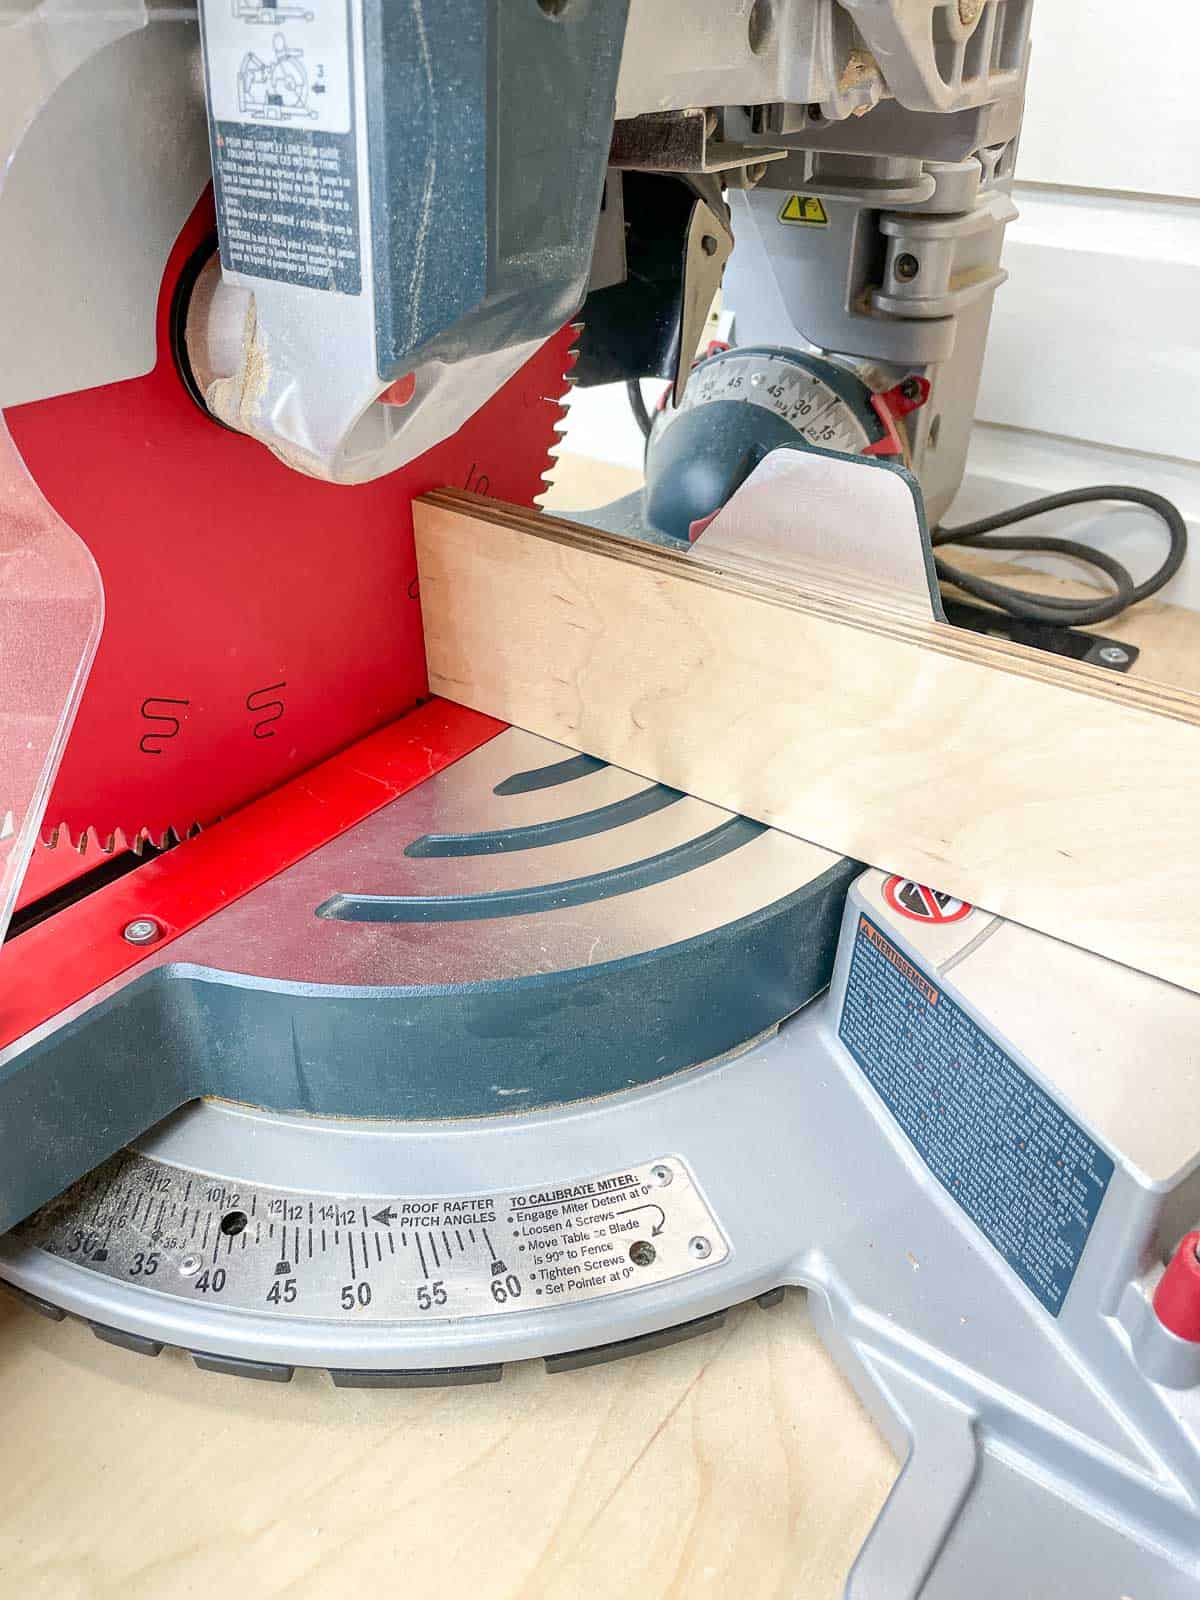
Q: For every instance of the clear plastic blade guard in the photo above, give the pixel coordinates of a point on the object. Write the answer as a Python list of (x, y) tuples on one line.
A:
[(51, 613)]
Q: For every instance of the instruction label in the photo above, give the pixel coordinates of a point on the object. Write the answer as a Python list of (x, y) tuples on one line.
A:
[(1025, 1172), (386, 1258), (281, 128)]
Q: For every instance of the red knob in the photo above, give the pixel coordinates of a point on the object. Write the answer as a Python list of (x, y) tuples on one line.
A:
[(1177, 1298)]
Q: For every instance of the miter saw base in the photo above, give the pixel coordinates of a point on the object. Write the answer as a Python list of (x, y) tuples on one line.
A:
[(944, 1150)]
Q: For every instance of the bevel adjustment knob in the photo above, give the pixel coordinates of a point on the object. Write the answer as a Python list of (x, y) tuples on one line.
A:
[(1177, 1298)]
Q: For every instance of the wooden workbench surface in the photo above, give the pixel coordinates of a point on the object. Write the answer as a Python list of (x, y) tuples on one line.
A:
[(738, 1463)]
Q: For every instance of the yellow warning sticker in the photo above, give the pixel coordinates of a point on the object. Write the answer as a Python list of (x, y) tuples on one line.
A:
[(805, 209)]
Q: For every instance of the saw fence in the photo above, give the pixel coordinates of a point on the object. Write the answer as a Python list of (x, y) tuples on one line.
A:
[(1053, 793)]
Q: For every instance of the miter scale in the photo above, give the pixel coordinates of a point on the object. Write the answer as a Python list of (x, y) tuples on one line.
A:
[(435, 1046)]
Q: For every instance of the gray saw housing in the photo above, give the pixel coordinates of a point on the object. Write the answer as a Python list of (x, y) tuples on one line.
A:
[(462, 197)]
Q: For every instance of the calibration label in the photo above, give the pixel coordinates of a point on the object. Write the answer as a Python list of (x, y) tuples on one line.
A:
[(1025, 1172), (388, 1259), (281, 110)]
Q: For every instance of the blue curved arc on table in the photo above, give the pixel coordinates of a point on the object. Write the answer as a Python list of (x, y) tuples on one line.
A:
[(673, 863), (550, 777), (560, 830)]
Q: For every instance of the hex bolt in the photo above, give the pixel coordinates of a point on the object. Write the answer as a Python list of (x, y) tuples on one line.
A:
[(906, 267), (142, 930), (700, 1247), (1113, 655), (661, 1175)]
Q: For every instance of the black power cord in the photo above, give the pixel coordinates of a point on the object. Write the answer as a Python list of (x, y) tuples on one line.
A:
[(637, 404), (1053, 608)]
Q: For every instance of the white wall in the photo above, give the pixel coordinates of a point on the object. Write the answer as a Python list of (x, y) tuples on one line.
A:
[(1093, 364), (1113, 100)]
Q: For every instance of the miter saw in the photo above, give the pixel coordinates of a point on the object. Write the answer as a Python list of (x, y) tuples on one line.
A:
[(347, 1029)]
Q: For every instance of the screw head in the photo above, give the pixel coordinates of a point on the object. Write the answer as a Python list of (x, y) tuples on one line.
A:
[(709, 245), (189, 1266), (1114, 655), (661, 1175), (699, 1247), (142, 930), (642, 1252), (906, 267)]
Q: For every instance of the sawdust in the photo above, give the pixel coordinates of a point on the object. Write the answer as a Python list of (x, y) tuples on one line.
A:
[(236, 399)]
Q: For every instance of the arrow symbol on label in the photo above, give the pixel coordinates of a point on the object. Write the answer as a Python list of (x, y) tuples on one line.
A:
[(387, 1216), (658, 1226)]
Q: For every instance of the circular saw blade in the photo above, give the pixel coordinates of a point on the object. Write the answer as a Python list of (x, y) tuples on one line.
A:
[(256, 619)]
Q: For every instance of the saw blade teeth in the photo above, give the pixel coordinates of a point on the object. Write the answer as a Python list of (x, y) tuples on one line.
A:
[(566, 378), (557, 399), (560, 410), (88, 841)]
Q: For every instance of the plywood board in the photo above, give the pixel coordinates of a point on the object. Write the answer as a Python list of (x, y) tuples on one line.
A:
[(1058, 795), (737, 1464)]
